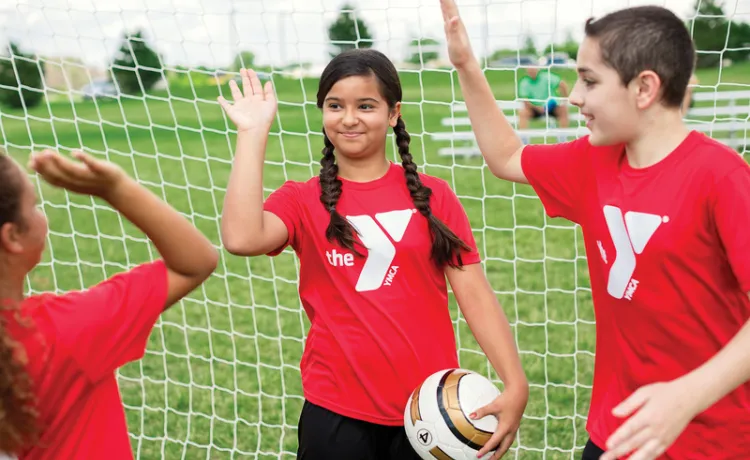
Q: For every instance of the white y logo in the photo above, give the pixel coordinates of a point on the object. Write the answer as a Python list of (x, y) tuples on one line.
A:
[(380, 250), (629, 235)]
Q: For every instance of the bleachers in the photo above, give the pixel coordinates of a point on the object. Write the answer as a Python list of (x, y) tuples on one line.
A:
[(723, 115)]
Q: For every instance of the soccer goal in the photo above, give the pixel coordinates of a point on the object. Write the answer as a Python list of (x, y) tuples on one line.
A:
[(220, 378)]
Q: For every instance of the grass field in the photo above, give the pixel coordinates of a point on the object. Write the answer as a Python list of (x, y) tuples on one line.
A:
[(220, 378)]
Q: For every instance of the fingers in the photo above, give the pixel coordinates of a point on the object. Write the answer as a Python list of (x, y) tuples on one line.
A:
[(632, 403), (651, 450), (635, 423), (91, 163), (235, 90), (453, 24), (616, 451), (251, 86), (505, 445), (494, 442), (247, 85), (628, 429), (257, 87), (269, 91), (46, 167), (59, 171), (489, 409), (73, 170), (449, 9), (224, 103), (490, 445), (35, 159)]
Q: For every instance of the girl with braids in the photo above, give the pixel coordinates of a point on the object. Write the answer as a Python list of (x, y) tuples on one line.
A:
[(58, 352), (375, 241)]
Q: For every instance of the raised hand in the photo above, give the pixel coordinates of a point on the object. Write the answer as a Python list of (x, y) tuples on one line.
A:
[(256, 108), (459, 46), (87, 176)]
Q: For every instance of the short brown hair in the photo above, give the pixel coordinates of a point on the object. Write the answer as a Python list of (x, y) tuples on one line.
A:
[(647, 38)]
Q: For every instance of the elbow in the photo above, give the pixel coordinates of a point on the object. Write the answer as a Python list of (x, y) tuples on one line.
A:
[(500, 164), (233, 241), (212, 260), (496, 168), (499, 168), (235, 247), (238, 246), (208, 262)]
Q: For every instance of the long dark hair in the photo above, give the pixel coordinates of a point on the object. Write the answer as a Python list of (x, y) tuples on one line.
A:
[(446, 246), (18, 415)]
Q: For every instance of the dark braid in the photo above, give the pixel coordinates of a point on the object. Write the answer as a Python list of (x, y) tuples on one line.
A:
[(339, 228), (445, 244)]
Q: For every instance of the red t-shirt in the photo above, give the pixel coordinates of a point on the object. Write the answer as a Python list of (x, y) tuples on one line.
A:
[(380, 324), (74, 345), (669, 259)]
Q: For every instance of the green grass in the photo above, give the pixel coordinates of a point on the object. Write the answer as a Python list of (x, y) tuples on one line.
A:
[(220, 377)]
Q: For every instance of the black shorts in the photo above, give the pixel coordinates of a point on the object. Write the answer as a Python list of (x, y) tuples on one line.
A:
[(591, 451), (325, 435), (549, 108)]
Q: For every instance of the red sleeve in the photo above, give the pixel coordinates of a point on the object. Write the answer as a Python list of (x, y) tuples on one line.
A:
[(108, 325), (452, 213), (557, 173), (731, 212), (284, 202)]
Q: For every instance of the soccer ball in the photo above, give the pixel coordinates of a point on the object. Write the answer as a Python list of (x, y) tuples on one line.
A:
[(437, 420)]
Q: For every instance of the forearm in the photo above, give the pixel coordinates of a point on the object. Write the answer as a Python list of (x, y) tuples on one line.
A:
[(490, 327), (720, 375), (183, 248), (242, 215), (495, 136)]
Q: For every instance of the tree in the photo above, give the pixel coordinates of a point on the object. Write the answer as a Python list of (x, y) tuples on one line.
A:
[(244, 59), (136, 67), (569, 46), (25, 69), (348, 31), (713, 33), (529, 47), (424, 50)]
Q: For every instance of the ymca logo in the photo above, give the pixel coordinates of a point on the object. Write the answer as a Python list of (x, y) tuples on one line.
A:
[(381, 251), (630, 234)]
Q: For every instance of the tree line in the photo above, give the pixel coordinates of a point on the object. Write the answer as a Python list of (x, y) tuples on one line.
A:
[(137, 67)]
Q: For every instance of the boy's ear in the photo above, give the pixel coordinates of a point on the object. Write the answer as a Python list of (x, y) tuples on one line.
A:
[(647, 88)]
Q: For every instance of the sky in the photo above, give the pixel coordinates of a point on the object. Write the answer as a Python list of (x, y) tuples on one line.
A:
[(279, 32)]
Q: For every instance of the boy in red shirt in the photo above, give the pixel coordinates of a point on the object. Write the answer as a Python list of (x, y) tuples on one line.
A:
[(664, 213), (59, 353), (375, 242)]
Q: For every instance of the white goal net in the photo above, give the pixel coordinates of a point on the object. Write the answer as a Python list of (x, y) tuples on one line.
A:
[(220, 378)]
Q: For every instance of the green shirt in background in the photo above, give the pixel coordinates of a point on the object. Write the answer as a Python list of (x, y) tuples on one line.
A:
[(538, 90)]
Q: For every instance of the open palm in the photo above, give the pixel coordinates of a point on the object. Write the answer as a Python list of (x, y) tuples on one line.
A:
[(86, 176), (459, 46), (256, 108)]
